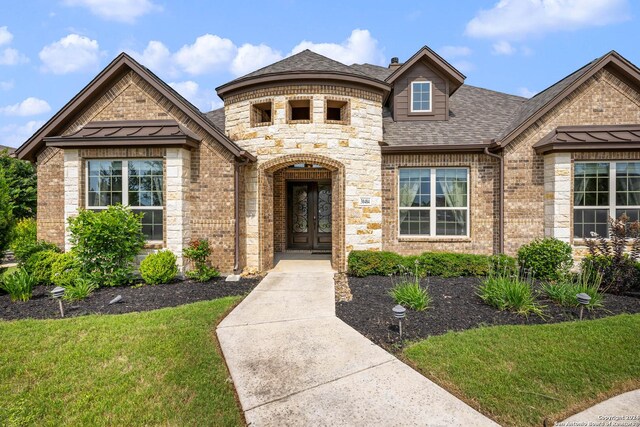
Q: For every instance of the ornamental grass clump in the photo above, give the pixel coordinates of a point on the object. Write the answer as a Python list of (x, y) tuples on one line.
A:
[(197, 253), (509, 292), (564, 291), (408, 292), (18, 284), (79, 289)]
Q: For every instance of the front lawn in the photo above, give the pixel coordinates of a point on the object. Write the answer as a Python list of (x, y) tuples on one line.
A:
[(160, 367), (522, 375)]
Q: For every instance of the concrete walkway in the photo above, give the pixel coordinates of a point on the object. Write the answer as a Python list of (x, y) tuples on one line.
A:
[(294, 363), (622, 410)]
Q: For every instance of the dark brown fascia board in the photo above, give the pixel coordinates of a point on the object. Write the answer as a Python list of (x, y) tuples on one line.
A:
[(564, 147), (120, 142), (271, 78), (612, 57), (451, 72), (433, 148), (109, 73)]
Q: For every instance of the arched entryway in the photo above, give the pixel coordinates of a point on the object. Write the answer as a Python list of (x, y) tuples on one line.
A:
[(309, 179)]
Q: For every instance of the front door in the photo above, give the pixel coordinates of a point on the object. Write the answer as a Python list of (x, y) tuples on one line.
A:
[(309, 215)]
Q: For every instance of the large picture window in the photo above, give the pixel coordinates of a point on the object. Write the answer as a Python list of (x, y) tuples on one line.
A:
[(420, 97), (133, 183), (433, 202), (602, 190)]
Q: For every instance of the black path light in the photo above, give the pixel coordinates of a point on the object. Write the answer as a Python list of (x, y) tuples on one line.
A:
[(399, 312), (58, 293), (584, 300)]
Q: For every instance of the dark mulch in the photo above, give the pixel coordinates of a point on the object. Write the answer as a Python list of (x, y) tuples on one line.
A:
[(144, 298), (455, 307)]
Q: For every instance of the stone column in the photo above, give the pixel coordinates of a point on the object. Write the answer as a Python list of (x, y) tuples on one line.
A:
[(72, 168), (178, 170), (557, 196), (252, 217)]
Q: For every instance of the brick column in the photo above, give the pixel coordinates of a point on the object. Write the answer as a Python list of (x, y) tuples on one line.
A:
[(557, 196), (72, 168), (178, 233)]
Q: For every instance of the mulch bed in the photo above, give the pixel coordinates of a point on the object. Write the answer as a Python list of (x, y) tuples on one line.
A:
[(455, 307), (143, 298)]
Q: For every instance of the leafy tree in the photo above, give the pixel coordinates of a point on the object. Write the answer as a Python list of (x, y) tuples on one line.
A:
[(21, 180), (6, 214)]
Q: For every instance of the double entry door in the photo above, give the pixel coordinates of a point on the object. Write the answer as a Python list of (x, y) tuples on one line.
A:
[(309, 215)]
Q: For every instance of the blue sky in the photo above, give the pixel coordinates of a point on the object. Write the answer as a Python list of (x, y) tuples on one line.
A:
[(50, 49)]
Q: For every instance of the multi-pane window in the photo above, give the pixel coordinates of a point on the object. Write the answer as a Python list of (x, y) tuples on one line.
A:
[(433, 202), (136, 183), (598, 196), (420, 97)]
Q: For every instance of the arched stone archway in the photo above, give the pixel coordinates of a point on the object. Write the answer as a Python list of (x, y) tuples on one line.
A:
[(266, 213)]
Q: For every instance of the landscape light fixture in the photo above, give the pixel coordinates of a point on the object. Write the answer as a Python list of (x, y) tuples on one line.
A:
[(399, 312), (58, 293), (583, 299)]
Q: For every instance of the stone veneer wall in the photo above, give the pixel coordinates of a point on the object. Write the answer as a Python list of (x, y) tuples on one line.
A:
[(602, 100), (355, 148), (484, 173), (204, 177)]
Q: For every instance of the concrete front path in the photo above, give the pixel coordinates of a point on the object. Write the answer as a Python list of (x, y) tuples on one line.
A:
[(294, 363), (621, 410)]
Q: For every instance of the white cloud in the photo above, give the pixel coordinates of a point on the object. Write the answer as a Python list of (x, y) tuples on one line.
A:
[(523, 91), (117, 10), (10, 56), (454, 51), (14, 135), (5, 36), (7, 84), (71, 54), (208, 53), (29, 107), (205, 100), (517, 19), (503, 48), (251, 57), (157, 57), (360, 47)]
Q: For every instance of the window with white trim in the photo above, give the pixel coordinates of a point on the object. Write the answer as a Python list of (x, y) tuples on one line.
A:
[(597, 197), (421, 97), (133, 183), (433, 202)]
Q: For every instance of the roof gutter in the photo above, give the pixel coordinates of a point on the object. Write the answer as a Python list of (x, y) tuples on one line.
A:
[(434, 148), (500, 158)]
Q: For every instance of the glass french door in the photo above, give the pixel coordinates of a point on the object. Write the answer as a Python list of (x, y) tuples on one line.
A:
[(309, 215)]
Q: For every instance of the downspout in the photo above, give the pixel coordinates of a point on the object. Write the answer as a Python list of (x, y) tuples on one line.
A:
[(500, 198), (236, 197)]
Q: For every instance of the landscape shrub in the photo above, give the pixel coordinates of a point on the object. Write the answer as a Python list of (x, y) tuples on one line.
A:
[(106, 243), (79, 289), (39, 265), (65, 270), (444, 264), (198, 253), (547, 258), (609, 256), (18, 284), (159, 267), (506, 292), (24, 241)]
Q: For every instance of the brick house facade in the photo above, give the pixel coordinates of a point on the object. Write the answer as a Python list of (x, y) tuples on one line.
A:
[(311, 155)]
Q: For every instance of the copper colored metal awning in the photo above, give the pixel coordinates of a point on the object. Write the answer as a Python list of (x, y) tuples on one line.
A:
[(590, 138)]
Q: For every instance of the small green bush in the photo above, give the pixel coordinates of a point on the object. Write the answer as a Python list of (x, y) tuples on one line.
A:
[(65, 270), (18, 284), (39, 265), (106, 243), (373, 263), (159, 267), (198, 253), (24, 241), (80, 289), (411, 294), (547, 258), (505, 292)]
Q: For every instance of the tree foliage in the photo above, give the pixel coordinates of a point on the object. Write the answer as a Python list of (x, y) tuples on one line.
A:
[(21, 180)]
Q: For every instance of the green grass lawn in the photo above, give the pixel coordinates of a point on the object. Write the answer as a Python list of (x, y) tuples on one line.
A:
[(160, 367), (520, 375)]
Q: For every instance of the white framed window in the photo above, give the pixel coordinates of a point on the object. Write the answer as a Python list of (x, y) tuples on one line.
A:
[(421, 97), (135, 183), (433, 202), (602, 190)]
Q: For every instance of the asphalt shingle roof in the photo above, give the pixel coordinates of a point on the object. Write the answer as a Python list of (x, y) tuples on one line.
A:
[(10, 149), (217, 118), (475, 114), (375, 71)]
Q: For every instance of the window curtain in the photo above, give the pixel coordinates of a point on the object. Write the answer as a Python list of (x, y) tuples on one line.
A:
[(408, 192), (454, 194)]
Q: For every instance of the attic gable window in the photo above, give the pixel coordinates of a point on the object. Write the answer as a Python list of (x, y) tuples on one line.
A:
[(261, 114), (299, 111), (421, 97), (337, 112)]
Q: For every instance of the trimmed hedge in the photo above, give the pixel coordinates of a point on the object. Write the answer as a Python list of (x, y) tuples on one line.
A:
[(444, 264)]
